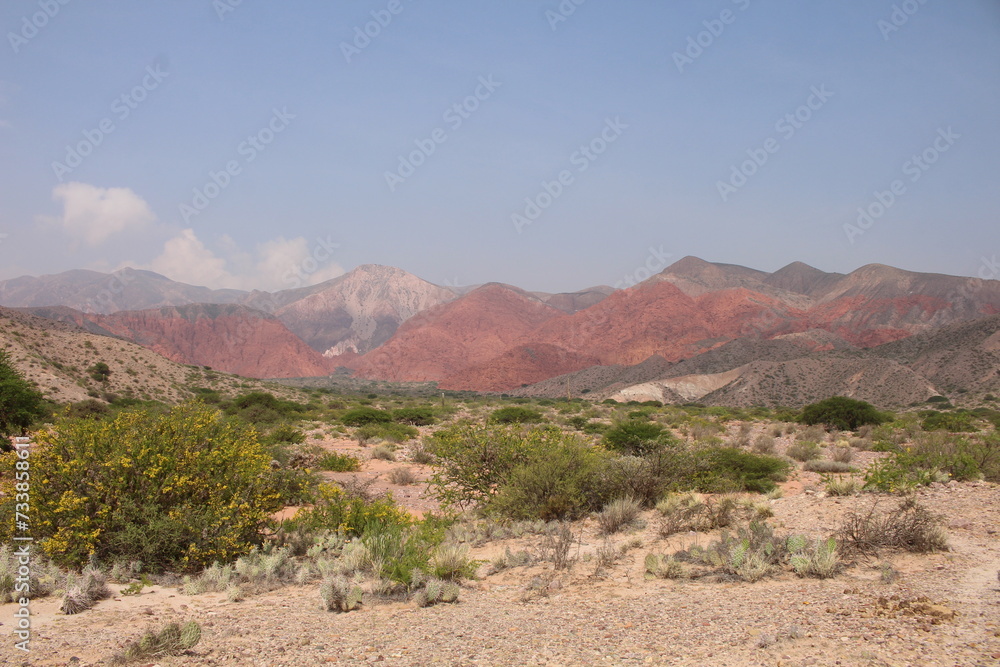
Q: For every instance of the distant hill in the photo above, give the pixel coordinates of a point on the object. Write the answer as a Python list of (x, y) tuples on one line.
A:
[(56, 356), (697, 318)]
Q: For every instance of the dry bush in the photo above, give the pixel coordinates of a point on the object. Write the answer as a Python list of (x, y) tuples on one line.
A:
[(812, 434), (819, 465), (842, 454), (556, 546), (909, 527), (843, 486), (805, 450), (618, 515), (402, 476), (420, 455), (693, 511), (664, 567), (384, 453), (172, 639), (85, 592), (764, 444)]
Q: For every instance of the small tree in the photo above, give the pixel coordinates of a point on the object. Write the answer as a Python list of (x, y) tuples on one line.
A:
[(20, 404), (846, 414), (99, 372)]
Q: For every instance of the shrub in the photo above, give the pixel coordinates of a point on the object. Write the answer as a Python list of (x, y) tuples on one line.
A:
[(260, 407), (692, 511), (560, 478), (20, 403), (842, 486), (364, 415), (892, 475), (618, 515), (842, 454), (284, 433), (338, 512), (726, 469), (819, 465), (336, 462), (392, 432), (84, 592), (414, 416), (804, 451), (181, 489), (960, 422), (338, 594), (516, 415), (383, 453), (846, 414), (908, 527), (645, 478), (764, 444), (636, 437), (172, 639), (42, 580), (451, 562), (402, 476), (420, 455)]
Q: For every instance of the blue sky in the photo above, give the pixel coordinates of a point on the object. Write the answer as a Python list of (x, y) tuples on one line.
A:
[(672, 126)]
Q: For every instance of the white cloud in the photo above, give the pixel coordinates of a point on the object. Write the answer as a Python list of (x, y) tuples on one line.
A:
[(273, 265), (94, 213)]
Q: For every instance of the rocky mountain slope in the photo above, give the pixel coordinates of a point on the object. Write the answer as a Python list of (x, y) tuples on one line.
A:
[(230, 338), (56, 356)]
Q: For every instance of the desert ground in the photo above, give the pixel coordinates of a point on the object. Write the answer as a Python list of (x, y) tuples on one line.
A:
[(935, 609)]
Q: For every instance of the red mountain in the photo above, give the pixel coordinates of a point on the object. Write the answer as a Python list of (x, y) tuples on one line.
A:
[(229, 338)]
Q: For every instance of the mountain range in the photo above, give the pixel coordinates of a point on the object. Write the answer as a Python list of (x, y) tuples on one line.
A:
[(711, 332)]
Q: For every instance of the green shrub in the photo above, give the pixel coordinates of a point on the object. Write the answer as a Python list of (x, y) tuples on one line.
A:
[(180, 489), (954, 422), (365, 415), (846, 414), (636, 437), (516, 415), (392, 432), (414, 416), (335, 462), (21, 405), (284, 433), (338, 512), (561, 478), (726, 469), (261, 407)]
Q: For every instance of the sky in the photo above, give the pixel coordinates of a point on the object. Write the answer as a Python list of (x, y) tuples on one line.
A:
[(549, 144)]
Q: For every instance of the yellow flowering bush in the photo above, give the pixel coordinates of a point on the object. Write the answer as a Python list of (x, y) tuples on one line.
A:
[(181, 489)]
